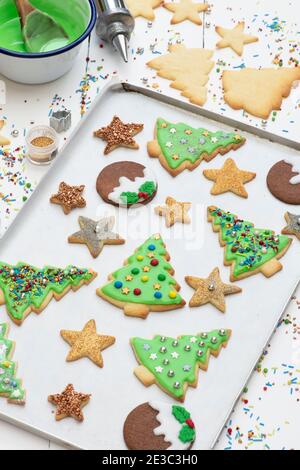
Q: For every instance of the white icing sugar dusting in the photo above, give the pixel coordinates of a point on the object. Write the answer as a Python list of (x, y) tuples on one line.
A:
[(126, 185), (295, 169), (169, 426)]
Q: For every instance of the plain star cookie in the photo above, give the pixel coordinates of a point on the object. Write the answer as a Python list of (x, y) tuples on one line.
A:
[(247, 250), (293, 225), (180, 146), (234, 38), (186, 10), (283, 181), (10, 387), (174, 212), (173, 363), (144, 8), (3, 140), (229, 179), (210, 290), (159, 426), (145, 283), (69, 403), (87, 343), (118, 134), (69, 197), (258, 91), (25, 288), (188, 69), (95, 234)]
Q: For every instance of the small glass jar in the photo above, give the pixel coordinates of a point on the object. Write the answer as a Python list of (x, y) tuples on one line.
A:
[(42, 145)]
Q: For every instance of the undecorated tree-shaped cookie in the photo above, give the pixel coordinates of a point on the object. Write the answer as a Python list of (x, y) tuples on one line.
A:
[(258, 91), (248, 250), (173, 363), (188, 69), (180, 146), (25, 289), (10, 386), (145, 283)]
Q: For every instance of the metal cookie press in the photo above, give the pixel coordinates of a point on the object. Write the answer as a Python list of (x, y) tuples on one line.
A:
[(115, 24)]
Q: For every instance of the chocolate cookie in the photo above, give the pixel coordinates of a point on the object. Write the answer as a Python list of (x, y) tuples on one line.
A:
[(283, 181), (126, 184), (159, 426)]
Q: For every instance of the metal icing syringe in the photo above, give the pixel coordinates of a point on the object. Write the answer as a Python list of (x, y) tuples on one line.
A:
[(115, 24)]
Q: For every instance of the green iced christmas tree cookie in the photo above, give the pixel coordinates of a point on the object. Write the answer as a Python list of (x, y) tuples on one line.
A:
[(145, 283), (180, 146), (248, 250)]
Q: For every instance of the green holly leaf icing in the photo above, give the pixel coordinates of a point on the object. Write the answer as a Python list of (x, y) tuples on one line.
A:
[(146, 278), (180, 413), (148, 187), (173, 361), (187, 434), (245, 245), (180, 143), (25, 286), (129, 198), (10, 386)]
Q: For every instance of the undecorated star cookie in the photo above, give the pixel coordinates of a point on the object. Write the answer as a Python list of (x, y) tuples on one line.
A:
[(210, 290), (144, 8), (3, 140), (174, 211), (118, 134), (188, 69), (87, 343), (234, 38), (229, 178), (186, 10), (69, 197), (95, 234), (293, 225), (69, 403), (258, 91)]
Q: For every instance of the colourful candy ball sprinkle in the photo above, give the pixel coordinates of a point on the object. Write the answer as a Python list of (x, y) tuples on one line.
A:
[(161, 277), (137, 291), (158, 295), (154, 262), (135, 271), (118, 284), (144, 278), (151, 247), (140, 257), (172, 294)]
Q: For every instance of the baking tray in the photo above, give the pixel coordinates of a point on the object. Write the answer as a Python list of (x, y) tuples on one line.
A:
[(39, 236)]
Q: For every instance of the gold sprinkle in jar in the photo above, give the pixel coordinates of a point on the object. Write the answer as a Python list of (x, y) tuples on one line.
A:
[(42, 145)]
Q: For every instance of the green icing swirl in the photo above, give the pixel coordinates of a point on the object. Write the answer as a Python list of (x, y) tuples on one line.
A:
[(10, 386), (189, 144), (182, 355), (246, 246)]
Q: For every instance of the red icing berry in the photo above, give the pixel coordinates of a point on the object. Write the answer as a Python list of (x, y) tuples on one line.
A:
[(229, 430), (137, 291), (154, 262), (190, 423)]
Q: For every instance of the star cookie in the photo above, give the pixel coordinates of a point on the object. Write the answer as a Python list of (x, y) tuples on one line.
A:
[(69, 403), (229, 178), (143, 8), (210, 290), (234, 38), (186, 10), (174, 211), (87, 343), (293, 225), (118, 134), (96, 234), (69, 197), (3, 140)]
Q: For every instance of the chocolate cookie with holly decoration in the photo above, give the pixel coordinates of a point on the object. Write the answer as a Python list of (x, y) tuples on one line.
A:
[(159, 426), (126, 184)]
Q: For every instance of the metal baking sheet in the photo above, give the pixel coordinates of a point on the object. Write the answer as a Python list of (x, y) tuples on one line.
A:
[(39, 236)]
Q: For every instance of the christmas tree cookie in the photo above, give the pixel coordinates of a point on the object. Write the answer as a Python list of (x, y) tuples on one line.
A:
[(10, 387), (145, 282), (248, 250), (25, 289), (173, 363), (180, 146)]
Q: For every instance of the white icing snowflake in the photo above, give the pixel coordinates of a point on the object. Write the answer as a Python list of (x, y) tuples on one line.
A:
[(146, 347), (173, 130), (175, 355), (159, 369), (169, 145), (187, 368), (153, 356), (193, 339), (214, 140), (3, 349)]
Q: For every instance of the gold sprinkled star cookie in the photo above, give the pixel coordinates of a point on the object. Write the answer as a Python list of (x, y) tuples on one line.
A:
[(174, 211), (87, 343), (293, 225), (229, 179), (69, 403), (95, 234), (118, 134), (143, 8), (186, 10), (69, 197), (3, 140), (234, 38), (210, 290)]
